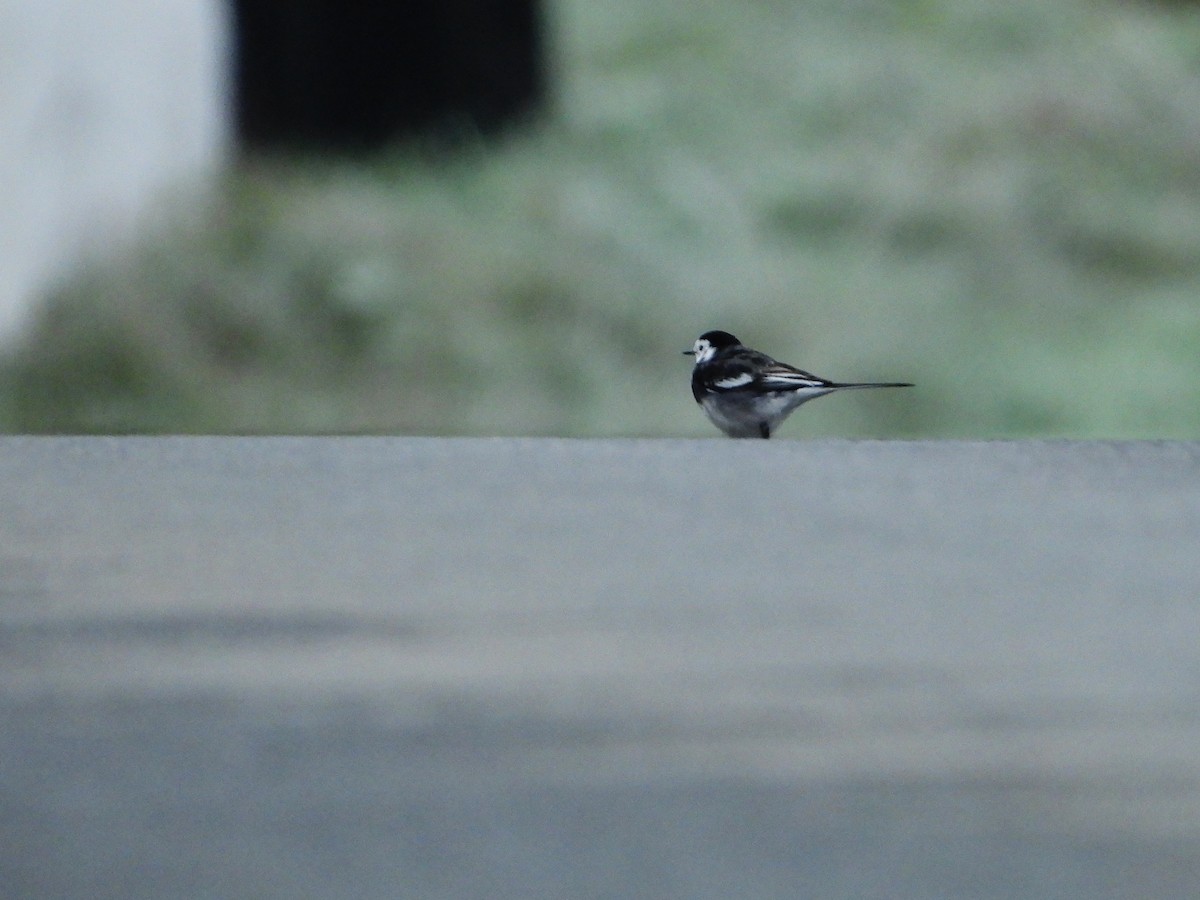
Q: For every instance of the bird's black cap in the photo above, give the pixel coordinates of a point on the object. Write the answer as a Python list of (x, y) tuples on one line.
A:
[(718, 339)]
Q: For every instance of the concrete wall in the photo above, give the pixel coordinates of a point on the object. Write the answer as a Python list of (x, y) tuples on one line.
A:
[(104, 109)]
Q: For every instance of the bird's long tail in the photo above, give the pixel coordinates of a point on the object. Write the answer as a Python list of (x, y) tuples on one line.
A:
[(854, 385)]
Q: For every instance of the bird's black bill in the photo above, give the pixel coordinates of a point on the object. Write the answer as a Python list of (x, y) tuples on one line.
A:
[(689, 352)]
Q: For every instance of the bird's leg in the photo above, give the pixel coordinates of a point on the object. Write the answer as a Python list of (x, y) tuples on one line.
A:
[(764, 429)]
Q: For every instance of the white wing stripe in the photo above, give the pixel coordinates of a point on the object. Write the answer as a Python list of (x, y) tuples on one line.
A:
[(792, 380), (734, 381)]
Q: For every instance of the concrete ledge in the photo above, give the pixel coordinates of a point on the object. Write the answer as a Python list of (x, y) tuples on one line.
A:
[(434, 668)]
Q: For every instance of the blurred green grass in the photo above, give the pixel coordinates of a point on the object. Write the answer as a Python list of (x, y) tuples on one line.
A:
[(997, 200)]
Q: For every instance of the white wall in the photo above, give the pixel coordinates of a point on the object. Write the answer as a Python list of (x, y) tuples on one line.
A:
[(104, 107)]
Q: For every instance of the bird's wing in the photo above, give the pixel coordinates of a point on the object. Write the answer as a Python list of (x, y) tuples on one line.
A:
[(752, 372), (721, 378), (777, 376), (782, 377)]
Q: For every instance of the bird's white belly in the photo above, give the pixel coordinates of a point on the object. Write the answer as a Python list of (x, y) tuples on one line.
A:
[(743, 417)]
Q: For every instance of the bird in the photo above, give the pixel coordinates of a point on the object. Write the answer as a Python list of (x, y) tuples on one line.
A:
[(747, 394)]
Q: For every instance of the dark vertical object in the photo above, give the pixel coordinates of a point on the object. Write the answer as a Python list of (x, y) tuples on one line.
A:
[(351, 76)]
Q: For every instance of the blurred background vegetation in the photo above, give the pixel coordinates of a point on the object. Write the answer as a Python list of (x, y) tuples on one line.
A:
[(997, 200)]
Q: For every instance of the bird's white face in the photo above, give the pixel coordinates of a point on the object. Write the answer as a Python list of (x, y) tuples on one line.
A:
[(703, 350)]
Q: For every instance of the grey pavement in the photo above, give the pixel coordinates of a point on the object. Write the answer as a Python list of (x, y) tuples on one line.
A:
[(435, 668)]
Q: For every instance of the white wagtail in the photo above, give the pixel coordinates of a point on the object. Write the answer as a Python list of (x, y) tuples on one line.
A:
[(748, 394)]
